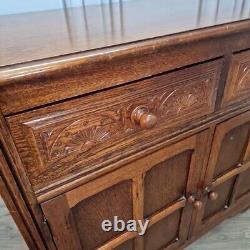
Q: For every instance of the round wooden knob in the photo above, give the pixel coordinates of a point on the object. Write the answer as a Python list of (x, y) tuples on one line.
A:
[(197, 205), (142, 116), (213, 195)]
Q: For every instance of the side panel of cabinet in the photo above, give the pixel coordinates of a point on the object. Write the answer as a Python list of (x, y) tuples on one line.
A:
[(155, 188), (228, 172)]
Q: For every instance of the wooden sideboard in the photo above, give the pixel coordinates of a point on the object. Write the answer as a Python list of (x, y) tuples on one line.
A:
[(140, 117)]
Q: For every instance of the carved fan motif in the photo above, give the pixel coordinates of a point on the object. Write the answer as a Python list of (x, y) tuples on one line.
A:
[(80, 135), (83, 134), (244, 79)]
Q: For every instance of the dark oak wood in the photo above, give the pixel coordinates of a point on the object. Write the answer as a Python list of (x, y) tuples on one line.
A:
[(78, 135), (83, 209), (86, 27), (144, 115), (20, 193), (27, 86), (228, 169), (237, 86)]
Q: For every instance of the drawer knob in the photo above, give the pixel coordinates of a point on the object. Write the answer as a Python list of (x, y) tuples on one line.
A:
[(143, 117), (213, 196), (196, 203)]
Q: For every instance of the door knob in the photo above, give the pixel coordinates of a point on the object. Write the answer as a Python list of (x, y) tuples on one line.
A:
[(213, 195), (143, 117), (197, 204)]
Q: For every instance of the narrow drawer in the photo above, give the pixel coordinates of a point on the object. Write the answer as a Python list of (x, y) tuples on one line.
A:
[(77, 137), (238, 82)]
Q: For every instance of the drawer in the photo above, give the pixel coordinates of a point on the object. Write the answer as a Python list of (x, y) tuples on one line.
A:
[(77, 137), (238, 82)]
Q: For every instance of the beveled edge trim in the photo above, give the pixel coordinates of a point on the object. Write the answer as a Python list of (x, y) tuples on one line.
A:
[(179, 204), (69, 61), (230, 174)]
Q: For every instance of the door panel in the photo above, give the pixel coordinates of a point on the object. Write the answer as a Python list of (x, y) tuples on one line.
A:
[(224, 192), (160, 185), (155, 187), (229, 146), (227, 175), (164, 232), (243, 185), (89, 214), (128, 245), (232, 148)]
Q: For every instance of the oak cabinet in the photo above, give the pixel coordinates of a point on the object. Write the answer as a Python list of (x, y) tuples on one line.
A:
[(227, 176), (134, 122), (156, 187), (75, 137)]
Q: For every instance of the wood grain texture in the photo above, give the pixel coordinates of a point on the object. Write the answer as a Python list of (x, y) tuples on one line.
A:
[(218, 158), (65, 139), (231, 234), (232, 147), (163, 233), (223, 202), (226, 167), (35, 85), (121, 193), (165, 144), (238, 82), (87, 27), (161, 187), (11, 170)]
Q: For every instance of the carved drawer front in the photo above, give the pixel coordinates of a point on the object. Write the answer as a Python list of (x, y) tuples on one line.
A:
[(155, 188), (79, 136), (238, 82)]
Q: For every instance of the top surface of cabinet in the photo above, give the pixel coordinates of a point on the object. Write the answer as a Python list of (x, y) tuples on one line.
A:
[(66, 27)]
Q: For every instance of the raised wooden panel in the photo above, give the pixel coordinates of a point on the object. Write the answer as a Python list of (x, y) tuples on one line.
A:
[(238, 82), (89, 214), (166, 182), (232, 149), (75, 217), (84, 134), (224, 191), (163, 233), (227, 160), (243, 185), (78, 225), (128, 245)]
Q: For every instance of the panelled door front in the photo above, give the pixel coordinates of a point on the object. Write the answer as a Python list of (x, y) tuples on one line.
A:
[(228, 174), (160, 187)]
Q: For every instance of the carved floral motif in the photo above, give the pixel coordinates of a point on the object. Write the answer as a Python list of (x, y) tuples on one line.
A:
[(84, 133)]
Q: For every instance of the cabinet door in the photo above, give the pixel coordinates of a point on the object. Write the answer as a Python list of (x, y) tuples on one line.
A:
[(155, 187), (242, 185), (227, 176)]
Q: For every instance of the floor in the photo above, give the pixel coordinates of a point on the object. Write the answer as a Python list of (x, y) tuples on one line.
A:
[(10, 238), (233, 234)]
